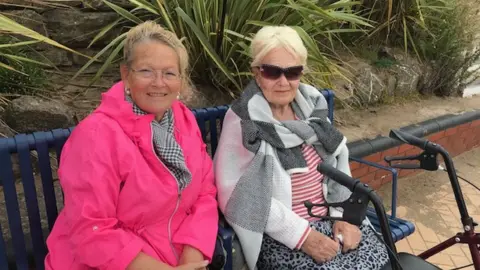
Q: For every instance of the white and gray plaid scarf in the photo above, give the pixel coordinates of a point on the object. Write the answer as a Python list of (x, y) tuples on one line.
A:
[(166, 147)]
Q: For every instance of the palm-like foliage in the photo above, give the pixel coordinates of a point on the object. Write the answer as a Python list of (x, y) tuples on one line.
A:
[(9, 27), (452, 51), (403, 22), (217, 32)]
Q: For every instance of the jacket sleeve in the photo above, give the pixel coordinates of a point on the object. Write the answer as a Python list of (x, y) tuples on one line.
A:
[(90, 178), (286, 226), (200, 228)]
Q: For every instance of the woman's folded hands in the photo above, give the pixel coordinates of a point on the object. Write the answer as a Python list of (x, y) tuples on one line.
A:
[(347, 235), (323, 248), (320, 247)]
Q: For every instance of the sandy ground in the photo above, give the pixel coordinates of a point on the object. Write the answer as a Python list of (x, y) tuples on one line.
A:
[(379, 120)]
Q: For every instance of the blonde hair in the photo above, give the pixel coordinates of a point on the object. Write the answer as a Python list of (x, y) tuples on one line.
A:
[(271, 37), (151, 31)]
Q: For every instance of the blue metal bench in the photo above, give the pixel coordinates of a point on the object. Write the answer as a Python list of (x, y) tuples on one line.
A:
[(24, 251)]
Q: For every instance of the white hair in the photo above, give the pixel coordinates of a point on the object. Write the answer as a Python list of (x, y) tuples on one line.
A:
[(272, 37)]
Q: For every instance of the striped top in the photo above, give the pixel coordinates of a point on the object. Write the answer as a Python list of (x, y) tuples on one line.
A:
[(308, 186)]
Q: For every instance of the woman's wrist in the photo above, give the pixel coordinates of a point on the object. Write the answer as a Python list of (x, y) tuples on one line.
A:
[(144, 262), (191, 254), (303, 238)]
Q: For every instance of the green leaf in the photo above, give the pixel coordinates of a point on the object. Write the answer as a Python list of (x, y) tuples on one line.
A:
[(104, 31), (10, 26), (23, 59), (238, 35), (3, 65), (109, 60), (207, 46), (23, 43), (100, 53), (343, 4), (123, 12), (145, 5), (165, 15)]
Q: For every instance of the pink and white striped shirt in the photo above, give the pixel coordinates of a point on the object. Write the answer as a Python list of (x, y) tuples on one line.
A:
[(308, 186)]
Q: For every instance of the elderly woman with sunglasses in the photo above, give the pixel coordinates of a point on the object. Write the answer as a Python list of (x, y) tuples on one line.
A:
[(273, 138), (138, 182)]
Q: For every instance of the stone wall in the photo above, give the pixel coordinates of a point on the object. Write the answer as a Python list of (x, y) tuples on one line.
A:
[(386, 73), (74, 24)]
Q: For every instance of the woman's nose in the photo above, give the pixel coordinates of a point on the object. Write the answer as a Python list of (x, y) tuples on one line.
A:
[(159, 80), (283, 80)]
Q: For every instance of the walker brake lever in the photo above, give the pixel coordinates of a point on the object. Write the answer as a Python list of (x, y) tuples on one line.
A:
[(389, 159), (428, 161), (309, 205)]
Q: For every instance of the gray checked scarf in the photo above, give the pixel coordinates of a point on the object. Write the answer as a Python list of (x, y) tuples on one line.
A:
[(256, 156), (166, 147), (287, 137)]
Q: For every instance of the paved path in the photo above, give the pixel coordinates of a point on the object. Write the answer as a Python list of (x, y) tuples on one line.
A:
[(427, 200)]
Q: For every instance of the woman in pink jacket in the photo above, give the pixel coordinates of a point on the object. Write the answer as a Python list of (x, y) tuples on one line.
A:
[(138, 183)]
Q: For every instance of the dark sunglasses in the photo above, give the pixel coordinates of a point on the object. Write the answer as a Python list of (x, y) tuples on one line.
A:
[(274, 72)]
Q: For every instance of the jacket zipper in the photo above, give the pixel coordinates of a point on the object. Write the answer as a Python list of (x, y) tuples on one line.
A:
[(179, 197), (170, 226)]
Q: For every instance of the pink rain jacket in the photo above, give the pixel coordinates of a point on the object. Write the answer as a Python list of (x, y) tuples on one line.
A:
[(120, 199)]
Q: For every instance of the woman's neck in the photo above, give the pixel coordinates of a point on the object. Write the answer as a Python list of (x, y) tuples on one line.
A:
[(282, 112), (159, 116)]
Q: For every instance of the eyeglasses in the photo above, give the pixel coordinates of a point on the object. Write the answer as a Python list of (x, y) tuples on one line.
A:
[(151, 74), (274, 72)]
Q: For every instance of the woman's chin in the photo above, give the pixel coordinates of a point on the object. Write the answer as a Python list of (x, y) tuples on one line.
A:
[(158, 106)]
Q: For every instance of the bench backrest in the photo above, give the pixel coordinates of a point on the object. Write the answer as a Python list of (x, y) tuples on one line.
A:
[(24, 250)]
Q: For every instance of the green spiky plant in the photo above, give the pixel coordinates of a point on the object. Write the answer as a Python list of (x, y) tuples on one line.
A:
[(217, 33), (402, 23), (21, 71)]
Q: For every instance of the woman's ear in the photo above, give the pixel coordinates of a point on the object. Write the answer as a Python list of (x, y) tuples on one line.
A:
[(124, 74), (255, 71), (256, 75)]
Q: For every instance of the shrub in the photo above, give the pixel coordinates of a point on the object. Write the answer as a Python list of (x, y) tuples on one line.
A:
[(401, 23), (217, 33), (439, 32), (450, 51), (20, 73)]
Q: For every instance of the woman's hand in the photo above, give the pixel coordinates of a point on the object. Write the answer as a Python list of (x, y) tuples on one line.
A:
[(320, 247), (193, 266), (191, 255), (351, 235), (190, 260)]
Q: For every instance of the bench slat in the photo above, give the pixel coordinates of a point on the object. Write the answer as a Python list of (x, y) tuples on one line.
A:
[(59, 137), (13, 212), (200, 116), (46, 174), (3, 251), (400, 228), (213, 114), (28, 181)]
